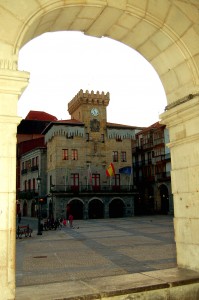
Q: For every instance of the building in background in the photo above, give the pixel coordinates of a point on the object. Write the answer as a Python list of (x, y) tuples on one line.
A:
[(151, 171), (31, 161), (86, 160), (90, 167)]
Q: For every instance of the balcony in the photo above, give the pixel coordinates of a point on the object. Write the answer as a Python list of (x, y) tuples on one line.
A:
[(24, 171), (162, 158), (29, 194), (88, 189), (34, 168), (163, 176)]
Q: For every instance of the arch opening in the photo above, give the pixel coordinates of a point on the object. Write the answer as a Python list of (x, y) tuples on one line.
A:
[(95, 209), (116, 208)]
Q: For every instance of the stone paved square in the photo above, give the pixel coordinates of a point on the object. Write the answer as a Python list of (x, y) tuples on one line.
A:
[(101, 247)]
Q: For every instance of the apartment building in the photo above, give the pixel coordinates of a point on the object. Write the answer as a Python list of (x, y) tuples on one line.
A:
[(31, 161), (151, 170)]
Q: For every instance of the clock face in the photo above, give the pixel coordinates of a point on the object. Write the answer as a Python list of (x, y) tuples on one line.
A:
[(94, 112)]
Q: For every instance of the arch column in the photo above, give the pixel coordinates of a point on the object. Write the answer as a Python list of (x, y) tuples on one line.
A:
[(182, 119), (12, 84)]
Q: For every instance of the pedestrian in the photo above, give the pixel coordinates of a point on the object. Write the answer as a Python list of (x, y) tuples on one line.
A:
[(19, 217), (70, 218)]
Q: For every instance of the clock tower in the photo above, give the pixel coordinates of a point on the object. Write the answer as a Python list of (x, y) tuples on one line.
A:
[(90, 109)]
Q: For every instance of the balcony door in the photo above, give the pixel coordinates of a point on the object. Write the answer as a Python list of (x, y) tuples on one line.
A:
[(75, 182), (96, 182), (116, 183)]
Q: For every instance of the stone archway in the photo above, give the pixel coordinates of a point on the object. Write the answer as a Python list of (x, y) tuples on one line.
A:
[(95, 209), (116, 208), (76, 209), (166, 34)]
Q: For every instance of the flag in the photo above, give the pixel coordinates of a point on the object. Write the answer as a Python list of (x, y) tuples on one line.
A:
[(110, 171), (125, 170)]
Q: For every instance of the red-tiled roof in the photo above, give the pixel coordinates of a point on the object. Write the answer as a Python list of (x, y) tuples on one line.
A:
[(40, 116), (153, 126)]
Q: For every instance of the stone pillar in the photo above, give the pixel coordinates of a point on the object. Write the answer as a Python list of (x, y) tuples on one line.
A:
[(12, 83), (106, 207), (85, 210), (182, 120)]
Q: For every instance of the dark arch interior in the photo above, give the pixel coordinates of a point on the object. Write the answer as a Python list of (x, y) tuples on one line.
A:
[(96, 209), (116, 209)]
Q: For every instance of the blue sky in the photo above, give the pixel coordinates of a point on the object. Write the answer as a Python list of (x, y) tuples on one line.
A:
[(62, 63)]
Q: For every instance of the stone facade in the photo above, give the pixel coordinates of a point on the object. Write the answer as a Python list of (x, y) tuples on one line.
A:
[(78, 153)]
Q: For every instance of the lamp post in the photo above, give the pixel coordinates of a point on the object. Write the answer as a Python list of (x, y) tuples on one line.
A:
[(39, 207)]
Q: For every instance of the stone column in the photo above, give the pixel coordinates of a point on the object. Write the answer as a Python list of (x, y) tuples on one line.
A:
[(106, 207), (85, 210), (182, 119), (12, 83)]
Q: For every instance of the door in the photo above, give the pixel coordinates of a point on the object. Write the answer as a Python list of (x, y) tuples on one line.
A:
[(96, 182), (75, 182)]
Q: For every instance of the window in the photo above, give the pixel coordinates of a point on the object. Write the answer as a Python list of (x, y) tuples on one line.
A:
[(75, 182), (116, 182), (115, 156), (33, 184), (96, 182), (33, 161), (29, 184), (102, 138), (123, 156), (25, 185), (74, 154), (28, 164), (64, 154)]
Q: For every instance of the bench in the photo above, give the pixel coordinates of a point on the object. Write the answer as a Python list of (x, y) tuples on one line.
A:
[(24, 229)]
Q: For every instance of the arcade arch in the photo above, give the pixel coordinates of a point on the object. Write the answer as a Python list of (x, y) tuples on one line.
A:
[(116, 208), (95, 209), (75, 207), (166, 34)]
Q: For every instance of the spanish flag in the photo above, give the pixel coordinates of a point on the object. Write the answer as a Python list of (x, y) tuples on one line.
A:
[(110, 171)]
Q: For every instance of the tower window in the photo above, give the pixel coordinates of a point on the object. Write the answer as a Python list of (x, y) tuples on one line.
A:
[(74, 154), (64, 154)]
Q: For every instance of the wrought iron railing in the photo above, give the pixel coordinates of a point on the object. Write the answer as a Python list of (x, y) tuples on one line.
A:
[(92, 189)]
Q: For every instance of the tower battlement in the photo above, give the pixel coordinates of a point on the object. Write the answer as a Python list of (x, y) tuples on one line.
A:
[(88, 98)]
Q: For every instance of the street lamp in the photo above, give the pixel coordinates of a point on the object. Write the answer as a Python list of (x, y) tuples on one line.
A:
[(39, 207)]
